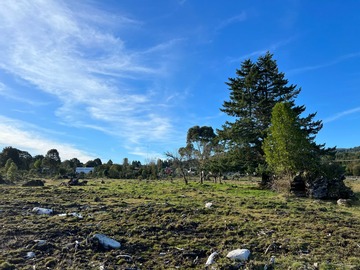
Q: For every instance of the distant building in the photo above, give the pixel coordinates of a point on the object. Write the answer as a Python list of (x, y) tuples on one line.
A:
[(85, 170)]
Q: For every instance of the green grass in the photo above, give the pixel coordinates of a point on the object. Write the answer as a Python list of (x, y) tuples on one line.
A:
[(165, 225)]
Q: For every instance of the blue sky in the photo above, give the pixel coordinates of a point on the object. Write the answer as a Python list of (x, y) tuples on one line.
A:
[(115, 79)]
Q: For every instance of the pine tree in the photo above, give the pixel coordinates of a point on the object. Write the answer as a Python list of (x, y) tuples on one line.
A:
[(253, 94)]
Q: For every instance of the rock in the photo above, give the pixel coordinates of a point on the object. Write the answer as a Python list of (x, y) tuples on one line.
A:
[(208, 205), (105, 242), (211, 258), (42, 211), (324, 188), (320, 187), (239, 254), (344, 202)]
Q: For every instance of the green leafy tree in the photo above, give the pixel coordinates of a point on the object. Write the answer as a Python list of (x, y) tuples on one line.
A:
[(12, 171), (254, 92), (288, 148)]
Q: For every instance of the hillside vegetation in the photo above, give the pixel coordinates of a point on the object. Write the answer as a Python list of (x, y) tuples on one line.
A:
[(165, 225)]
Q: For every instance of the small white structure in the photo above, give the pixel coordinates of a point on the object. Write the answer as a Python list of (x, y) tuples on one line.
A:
[(239, 254), (85, 170)]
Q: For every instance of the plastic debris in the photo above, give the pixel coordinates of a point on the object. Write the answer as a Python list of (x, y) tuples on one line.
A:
[(40, 243), (74, 214), (42, 211), (208, 205), (30, 255), (211, 258)]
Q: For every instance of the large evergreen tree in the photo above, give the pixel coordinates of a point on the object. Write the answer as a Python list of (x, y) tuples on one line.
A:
[(254, 92)]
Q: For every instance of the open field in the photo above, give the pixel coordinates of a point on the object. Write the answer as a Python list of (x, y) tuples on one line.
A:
[(165, 225)]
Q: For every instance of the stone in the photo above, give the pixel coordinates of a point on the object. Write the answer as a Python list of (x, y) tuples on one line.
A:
[(344, 202), (239, 254), (105, 242), (42, 211)]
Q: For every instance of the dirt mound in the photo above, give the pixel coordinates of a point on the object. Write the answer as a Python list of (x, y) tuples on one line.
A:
[(34, 183)]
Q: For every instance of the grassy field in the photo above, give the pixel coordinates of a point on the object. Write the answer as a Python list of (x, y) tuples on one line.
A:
[(165, 225)]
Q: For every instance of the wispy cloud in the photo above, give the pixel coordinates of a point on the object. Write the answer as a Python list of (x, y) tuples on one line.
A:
[(29, 138), (341, 115), (326, 64), (8, 93), (70, 55), (235, 19), (272, 47)]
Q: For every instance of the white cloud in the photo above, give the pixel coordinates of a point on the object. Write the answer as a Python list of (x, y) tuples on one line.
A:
[(341, 115), (68, 54), (27, 138)]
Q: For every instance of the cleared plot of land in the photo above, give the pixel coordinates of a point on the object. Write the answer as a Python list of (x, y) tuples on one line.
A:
[(165, 225)]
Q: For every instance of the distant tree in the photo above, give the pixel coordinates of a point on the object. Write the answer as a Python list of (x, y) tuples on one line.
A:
[(25, 160), (37, 164), (115, 171), (75, 163), (356, 169), (253, 94), (110, 162), (93, 163), (12, 153), (12, 171), (8, 164), (177, 161), (288, 148), (125, 162), (200, 143), (52, 160)]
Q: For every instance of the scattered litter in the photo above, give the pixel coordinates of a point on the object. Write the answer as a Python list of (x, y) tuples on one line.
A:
[(208, 205), (162, 253), (272, 260), (30, 255), (239, 254), (42, 211), (40, 243), (106, 242), (211, 258), (125, 256), (74, 214)]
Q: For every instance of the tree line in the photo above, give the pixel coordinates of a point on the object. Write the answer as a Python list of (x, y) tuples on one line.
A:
[(16, 164), (267, 134)]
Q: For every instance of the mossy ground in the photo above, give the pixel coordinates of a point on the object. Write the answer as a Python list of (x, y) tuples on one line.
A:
[(165, 225)]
